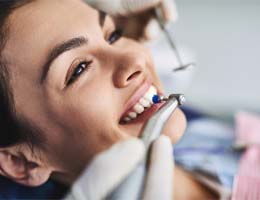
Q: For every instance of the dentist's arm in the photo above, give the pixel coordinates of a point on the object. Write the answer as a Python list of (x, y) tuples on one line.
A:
[(109, 169), (137, 16)]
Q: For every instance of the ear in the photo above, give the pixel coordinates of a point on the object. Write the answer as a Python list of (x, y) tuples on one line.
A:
[(21, 168)]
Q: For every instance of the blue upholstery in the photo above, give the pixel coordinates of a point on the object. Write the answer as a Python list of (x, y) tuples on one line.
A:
[(11, 190)]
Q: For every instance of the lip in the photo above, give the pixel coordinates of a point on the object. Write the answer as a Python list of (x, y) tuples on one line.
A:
[(135, 98)]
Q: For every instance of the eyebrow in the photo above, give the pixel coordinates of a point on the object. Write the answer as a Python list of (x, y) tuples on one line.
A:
[(65, 46), (60, 49)]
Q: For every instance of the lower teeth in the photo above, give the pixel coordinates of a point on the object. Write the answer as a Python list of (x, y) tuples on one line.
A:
[(132, 116)]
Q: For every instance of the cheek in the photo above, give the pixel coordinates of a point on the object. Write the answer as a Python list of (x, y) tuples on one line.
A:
[(92, 119), (175, 126), (88, 132)]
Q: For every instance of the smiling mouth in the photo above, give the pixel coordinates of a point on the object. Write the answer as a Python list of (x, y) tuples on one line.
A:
[(142, 109)]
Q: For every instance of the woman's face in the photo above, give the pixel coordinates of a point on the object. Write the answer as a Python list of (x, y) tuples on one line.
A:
[(76, 79)]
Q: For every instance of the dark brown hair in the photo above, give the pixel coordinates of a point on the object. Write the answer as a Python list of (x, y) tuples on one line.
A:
[(12, 130)]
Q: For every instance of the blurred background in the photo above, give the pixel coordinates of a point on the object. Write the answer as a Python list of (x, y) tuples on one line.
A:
[(223, 38)]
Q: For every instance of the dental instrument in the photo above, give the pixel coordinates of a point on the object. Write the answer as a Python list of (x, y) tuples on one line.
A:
[(156, 123), (131, 187), (181, 65)]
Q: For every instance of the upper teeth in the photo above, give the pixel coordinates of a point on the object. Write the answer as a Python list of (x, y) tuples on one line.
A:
[(144, 102)]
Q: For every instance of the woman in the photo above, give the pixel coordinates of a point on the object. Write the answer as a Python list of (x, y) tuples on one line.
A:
[(71, 86)]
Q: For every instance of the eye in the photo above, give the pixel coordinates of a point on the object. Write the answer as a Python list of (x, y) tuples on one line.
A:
[(115, 35), (78, 70)]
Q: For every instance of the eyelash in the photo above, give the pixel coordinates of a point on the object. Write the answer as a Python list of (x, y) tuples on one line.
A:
[(79, 69), (83, 65), (115, 35)]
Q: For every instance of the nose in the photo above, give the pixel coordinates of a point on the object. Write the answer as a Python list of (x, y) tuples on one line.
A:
[(129, 68)]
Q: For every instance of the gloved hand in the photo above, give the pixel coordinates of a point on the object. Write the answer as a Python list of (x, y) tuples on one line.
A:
[(137, 16), (128, 7), (109, 168)]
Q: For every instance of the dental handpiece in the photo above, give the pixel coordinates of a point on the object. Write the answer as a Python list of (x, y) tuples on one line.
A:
[(132, 186), (156, 123)]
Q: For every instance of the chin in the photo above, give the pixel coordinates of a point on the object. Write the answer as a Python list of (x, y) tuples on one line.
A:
[(175, 126)]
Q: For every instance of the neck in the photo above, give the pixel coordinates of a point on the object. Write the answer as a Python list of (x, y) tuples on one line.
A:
[(186, 187), (64, 178)]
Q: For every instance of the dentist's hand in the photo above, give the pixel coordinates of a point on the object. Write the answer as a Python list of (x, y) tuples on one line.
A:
[(109, 168), (137, 16)]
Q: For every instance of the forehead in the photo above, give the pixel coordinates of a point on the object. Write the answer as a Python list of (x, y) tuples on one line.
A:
[(38, 26)]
